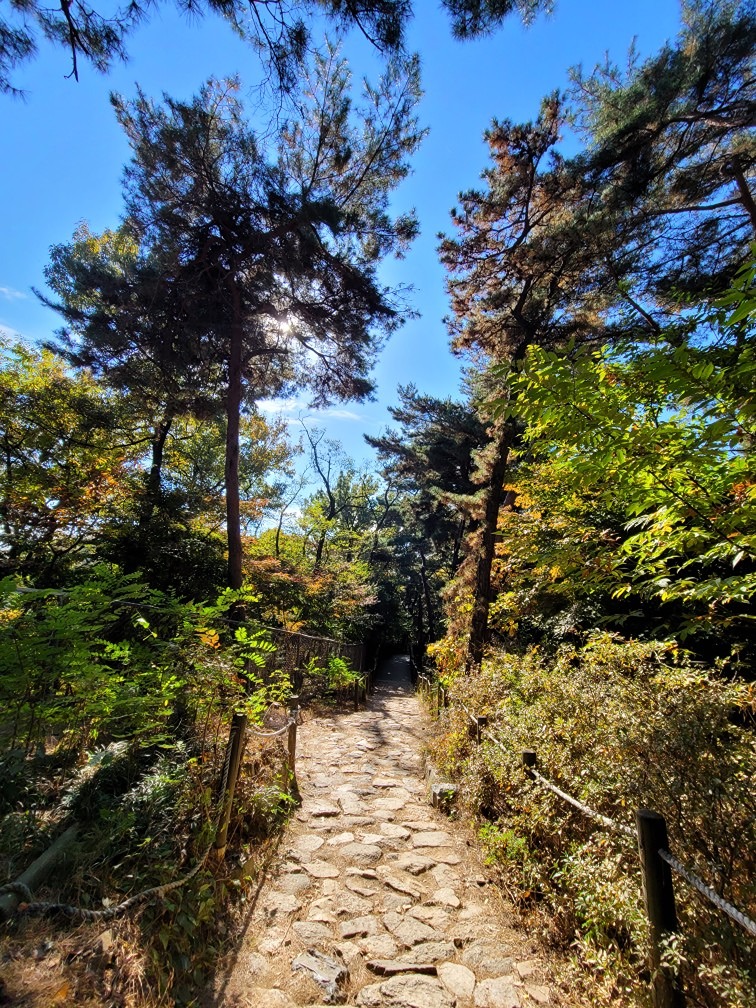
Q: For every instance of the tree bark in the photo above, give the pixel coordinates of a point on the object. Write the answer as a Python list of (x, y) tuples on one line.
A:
[(428, 600), (461, 529), (746, 196), (233, 420), (482, 593), (155, 475)]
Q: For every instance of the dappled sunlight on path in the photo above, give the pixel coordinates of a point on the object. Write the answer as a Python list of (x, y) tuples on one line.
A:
[(377, 899)]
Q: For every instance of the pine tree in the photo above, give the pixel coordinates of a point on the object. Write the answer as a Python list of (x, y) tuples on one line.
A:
[(520, 254), (277, 29), (268, 265)]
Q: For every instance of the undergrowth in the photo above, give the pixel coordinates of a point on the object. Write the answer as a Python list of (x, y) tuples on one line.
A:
[(155, 831), (116, 708), (620, 725)]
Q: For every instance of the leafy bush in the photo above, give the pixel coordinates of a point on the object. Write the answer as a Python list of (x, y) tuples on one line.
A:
[(619, 725), (331, 673)]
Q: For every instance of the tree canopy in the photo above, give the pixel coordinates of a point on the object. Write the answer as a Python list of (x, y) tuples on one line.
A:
[(279, 30)]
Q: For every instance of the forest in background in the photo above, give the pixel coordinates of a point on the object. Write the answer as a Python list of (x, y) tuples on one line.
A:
[(571, 544)]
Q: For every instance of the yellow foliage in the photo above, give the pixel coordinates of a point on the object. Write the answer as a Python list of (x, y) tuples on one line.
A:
[(209, 637)]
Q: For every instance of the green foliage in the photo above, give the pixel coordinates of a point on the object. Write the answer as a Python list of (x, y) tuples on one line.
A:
[(112, 659), (620, 725), (656, 442), (339, 674), (279, 32), (502, 845), (332, 673), (84, 661)]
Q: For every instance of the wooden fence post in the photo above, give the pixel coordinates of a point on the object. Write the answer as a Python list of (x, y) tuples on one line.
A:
[(481, 722), (659, 898), (529, 760), (291, 741), (38, 870), (236, 741)]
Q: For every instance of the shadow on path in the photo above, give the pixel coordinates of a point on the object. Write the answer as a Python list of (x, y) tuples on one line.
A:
[(375, 898), (394, 673)]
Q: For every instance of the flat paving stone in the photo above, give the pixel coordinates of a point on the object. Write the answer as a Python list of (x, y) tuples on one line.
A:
[(379, 946), (413, 863), (458, 980), (321, 869), (394, 830), (389, 804), (340, 838), (401, 885), (307, 843), (281, 903), (541, 995), (361, 853), (433, 839), (312, 933), (445, 897), (431, 916), (485, 959), (408, 930), (412, 991), (321, 810), (360, 927), (356, 885), (432, 951), (294, 883), (497, 993)]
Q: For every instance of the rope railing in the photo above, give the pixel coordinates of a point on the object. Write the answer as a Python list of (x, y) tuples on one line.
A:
[(656, 865), (29, 907), (272, 734), (581, 807), (708, 893)]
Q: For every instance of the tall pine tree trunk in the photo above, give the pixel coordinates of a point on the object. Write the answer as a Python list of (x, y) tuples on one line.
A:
[(494, 499), (460, 534), (233, 422), (155, 475), (431, 635), (238, 727)]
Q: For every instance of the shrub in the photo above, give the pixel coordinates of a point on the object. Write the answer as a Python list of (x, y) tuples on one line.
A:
[(619, 725)]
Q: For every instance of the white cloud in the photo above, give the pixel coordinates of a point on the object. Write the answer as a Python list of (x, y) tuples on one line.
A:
[(338, 414), (285, 406), (298, 408), (7, 333), (11, 294)]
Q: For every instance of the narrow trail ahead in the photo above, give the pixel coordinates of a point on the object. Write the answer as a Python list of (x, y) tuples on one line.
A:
[(374, 891)]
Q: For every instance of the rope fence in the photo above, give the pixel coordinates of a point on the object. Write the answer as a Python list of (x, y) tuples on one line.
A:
[(713, 897), (657, 862), (31, 908), (585, 809)]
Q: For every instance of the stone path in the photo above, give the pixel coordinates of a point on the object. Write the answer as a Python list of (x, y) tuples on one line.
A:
[(377, 899)]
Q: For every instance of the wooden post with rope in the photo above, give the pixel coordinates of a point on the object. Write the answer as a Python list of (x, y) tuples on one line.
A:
[(481, 721), (237, 736), (659, 898), (291, 745)]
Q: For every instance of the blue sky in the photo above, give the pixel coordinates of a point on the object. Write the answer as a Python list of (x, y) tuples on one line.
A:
[(63, 153)]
